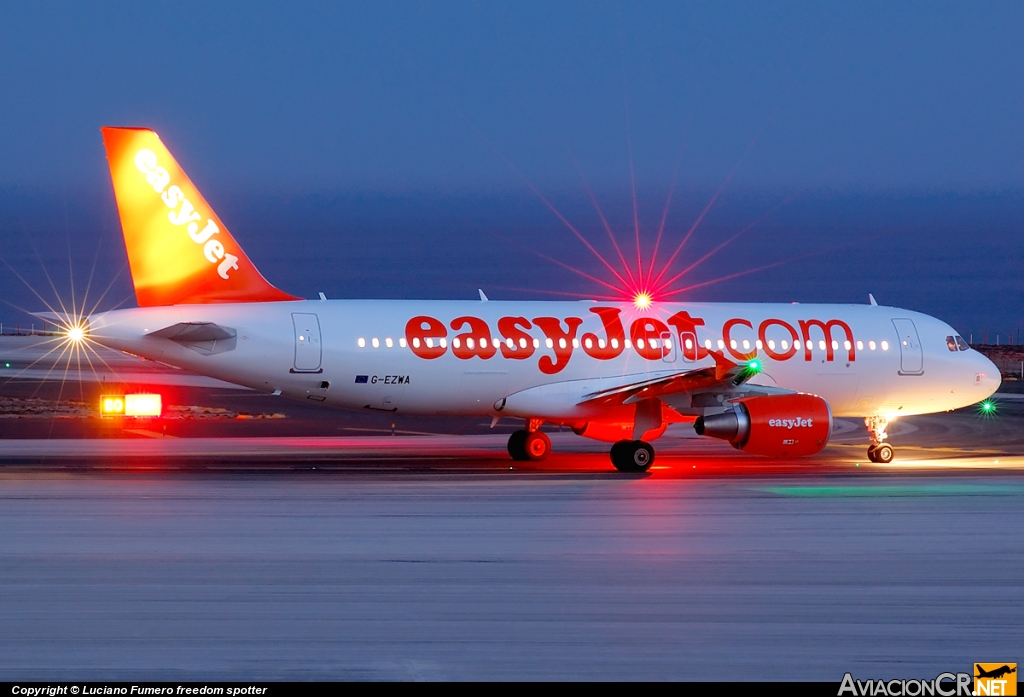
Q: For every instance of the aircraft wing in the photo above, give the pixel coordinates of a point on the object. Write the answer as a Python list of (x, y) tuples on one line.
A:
[(618, 400), (724, 372)]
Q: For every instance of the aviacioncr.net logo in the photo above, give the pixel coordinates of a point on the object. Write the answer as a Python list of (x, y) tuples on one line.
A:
[(995, 679), (943, 685)]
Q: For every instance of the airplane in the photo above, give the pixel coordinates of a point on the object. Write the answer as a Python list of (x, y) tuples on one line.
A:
[(996, 672), (767, 378)]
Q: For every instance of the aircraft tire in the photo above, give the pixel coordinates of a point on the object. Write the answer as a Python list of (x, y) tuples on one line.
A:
[(884, 453), (619, 457), (632, 456), (537, 446), (517, 445), (871, 453)]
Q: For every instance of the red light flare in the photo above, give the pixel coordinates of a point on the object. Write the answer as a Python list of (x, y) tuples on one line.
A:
[(639, 290), (652, 288), (578, 234), (564, 293), (643, 297), (604, 221), (714, 198), (632, 184), (624, 294), (559, 215), (584, 274), (670, 293), (664, 215), (629, 289), (664, 286)]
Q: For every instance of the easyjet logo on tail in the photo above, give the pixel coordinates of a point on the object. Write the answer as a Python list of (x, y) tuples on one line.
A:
[(183, 213), (179, 251)]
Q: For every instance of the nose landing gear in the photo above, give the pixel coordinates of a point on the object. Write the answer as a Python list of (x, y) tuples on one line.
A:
[(882, 453), (878, 451)]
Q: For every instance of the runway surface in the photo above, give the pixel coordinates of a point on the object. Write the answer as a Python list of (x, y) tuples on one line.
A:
[(318, 575), (335, 550)]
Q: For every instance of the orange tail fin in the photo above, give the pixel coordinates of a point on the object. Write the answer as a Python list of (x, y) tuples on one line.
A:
[(179, 250)]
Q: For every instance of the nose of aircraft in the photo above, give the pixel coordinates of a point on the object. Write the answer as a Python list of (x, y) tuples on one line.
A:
[(987, 378)]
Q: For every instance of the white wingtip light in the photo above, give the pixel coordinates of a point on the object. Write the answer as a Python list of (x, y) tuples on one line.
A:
[(76, 333)]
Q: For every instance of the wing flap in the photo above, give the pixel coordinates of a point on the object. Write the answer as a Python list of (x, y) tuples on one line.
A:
[(724, 371)]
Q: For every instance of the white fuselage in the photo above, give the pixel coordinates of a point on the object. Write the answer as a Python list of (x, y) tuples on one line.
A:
[(359, 354)]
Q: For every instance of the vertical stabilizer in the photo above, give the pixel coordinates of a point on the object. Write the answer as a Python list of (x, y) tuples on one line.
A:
[(178, 249)]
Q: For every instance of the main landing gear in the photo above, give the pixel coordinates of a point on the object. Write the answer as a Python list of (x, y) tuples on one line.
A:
[(632, 456), (530, 443), (878, 451)]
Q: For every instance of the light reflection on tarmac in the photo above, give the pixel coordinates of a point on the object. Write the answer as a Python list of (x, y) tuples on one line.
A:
[(177, 559)]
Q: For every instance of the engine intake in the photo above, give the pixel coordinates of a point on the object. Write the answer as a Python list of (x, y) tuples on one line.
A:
[(792, 425)]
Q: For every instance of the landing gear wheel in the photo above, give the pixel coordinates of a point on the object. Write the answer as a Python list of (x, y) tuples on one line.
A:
[(878, 451), (881, 453), (538, 446), (517, 446), (619, 456), (632, 456)]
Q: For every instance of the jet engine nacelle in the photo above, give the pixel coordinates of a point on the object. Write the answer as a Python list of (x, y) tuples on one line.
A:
[(790, 425)]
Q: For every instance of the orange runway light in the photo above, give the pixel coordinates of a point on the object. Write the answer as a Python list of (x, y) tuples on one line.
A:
[(112, 405), (131, 405), (143, 405)]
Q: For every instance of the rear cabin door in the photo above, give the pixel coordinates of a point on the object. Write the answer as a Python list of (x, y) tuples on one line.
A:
[(911, 351), (308, 352)]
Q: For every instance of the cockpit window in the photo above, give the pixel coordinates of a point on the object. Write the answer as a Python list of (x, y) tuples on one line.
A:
[(961, 343), (951, 343)]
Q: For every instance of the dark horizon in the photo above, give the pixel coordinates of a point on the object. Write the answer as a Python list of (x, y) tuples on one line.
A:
[(957, 250)]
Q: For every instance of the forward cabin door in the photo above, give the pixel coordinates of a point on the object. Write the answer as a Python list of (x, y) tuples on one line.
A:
[(911, 351), (308, 352)]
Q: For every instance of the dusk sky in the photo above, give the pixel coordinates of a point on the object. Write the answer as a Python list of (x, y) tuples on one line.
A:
[(372, 149)]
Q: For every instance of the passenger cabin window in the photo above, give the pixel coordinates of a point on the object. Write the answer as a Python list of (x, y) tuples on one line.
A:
[(961, 343), (951, 343)]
